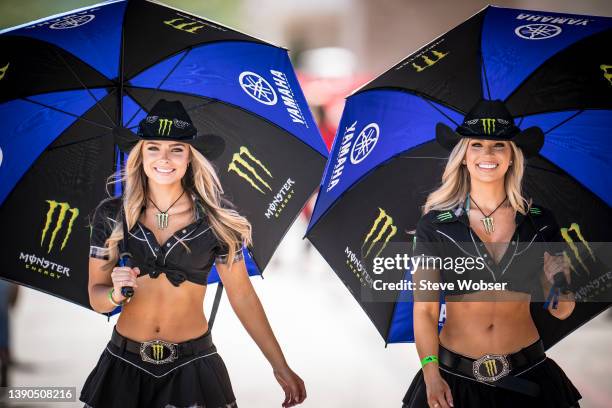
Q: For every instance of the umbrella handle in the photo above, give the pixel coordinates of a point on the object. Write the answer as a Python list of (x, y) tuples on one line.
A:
[(124, 258)]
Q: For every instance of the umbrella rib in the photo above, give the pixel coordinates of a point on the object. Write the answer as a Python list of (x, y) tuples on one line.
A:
[(159, 86), (486, 78), (67, 113), (440, 111), (85, 87), (563, 122), (77, 142)]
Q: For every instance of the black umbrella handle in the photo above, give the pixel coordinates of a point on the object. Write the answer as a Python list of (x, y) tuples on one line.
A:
[(124, 260), (125, 256)]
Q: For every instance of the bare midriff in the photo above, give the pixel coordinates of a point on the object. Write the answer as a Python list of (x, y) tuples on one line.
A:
[(160, 310), (498, 326)]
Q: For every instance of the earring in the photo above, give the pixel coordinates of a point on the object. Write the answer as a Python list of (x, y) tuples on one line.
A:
[(511, 162)]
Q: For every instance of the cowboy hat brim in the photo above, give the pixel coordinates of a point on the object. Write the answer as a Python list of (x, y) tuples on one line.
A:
[(529, 140), (210, 145)]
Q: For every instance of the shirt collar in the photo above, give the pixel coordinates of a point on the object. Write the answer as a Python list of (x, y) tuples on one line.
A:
[(459, 214)]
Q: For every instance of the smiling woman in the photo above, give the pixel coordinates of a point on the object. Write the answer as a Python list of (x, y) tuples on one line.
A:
[(178, 224), (487, 355)]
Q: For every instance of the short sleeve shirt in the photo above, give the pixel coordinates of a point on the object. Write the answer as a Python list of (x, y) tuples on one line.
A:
[(171, 257)]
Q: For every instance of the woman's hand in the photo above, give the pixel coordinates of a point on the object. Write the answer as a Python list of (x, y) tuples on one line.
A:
[(123, 276), (292, 384), (438, 391), (554, 264)]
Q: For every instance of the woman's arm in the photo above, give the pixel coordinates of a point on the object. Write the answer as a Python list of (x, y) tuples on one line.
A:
[(426, 314), (101, 281), (249, 310)]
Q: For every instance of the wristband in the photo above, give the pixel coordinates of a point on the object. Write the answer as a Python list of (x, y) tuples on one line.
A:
[(429, 359), (110, 297)]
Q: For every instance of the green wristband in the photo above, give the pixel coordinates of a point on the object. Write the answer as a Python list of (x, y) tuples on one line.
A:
[(429, 359), (110, 297)]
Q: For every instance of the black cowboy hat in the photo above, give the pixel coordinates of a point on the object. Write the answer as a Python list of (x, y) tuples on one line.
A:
[(168, 120), (491, 120)]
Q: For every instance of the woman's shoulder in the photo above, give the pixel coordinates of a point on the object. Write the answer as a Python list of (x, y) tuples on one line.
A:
[(438, 216), (109, 207), (536, 210)]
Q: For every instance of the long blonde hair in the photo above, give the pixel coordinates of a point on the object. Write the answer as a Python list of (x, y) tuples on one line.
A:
[(230, 228), (456, 181)]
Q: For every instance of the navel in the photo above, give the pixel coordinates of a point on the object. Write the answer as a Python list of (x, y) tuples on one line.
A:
[(157, 329)]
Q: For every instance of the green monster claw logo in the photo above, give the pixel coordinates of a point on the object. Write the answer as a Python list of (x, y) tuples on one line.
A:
[(3, 70), (429, 61), (64, 208), (535, 211), (566, 236), (488, 126), (157, 350), (445, 216), (607, 70), (491, 367), (164, 127), (386, 227), (241, 160), (188, 27)]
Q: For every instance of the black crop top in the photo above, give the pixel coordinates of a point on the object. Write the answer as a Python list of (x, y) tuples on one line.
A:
[(448, 234), (170, 257)]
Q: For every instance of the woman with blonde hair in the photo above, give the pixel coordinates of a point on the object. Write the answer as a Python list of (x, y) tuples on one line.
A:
[(177, 225), (489, 352)]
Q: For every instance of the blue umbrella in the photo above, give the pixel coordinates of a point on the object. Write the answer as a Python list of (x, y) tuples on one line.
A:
[(550, 71), (68, 80)]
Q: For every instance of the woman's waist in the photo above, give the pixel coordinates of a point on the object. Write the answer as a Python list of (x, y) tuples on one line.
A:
[(169, 325), (478, 336)]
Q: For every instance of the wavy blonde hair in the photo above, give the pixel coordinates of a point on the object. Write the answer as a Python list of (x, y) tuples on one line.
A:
[(230, 228), (456, 181)]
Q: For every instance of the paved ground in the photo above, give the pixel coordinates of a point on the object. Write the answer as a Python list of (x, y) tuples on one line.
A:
[(326, 337)]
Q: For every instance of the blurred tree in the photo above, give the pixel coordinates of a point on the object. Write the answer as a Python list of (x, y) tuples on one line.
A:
[(15, 12)]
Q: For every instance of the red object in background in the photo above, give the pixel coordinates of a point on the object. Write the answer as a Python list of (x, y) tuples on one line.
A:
[(326, 97)]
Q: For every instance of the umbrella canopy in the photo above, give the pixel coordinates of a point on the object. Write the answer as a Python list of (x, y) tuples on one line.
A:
[(68, 80), (548, 71)]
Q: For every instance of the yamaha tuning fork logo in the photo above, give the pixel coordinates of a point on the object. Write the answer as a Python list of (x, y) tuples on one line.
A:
[(537, 31), (257, 88), (365, 143), (71, 21), (543, 27)]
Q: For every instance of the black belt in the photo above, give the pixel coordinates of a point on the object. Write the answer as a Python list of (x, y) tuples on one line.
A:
[(495, 369), (160, 351)]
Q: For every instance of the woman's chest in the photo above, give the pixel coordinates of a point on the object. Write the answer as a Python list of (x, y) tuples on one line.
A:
[(162, 232)]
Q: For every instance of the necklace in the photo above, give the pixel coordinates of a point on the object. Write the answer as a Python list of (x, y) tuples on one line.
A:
[(487, 221), (162, 216)]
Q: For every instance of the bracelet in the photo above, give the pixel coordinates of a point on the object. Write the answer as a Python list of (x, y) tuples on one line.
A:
[(429, 359), (110, 297)]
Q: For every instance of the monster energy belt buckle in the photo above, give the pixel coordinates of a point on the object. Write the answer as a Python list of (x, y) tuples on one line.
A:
[(158, 351), (490, 367)]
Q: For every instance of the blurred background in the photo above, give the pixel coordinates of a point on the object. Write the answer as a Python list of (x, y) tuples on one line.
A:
[(336, 46)]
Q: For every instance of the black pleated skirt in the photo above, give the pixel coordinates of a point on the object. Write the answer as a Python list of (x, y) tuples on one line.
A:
[(123, 380), (556, 390)]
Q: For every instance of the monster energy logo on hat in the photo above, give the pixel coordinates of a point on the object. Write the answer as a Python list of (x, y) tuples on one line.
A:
[(169, 120), (164, 127), (491, 120)]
